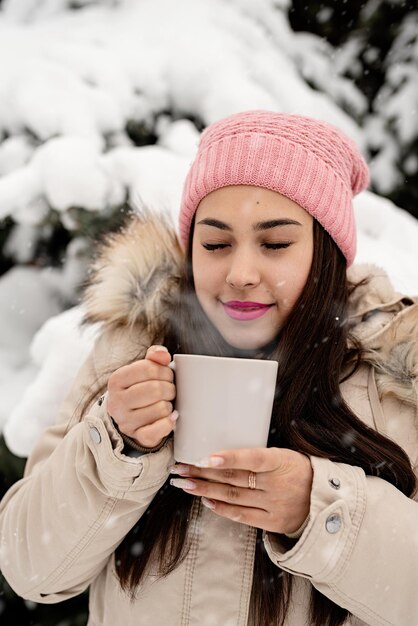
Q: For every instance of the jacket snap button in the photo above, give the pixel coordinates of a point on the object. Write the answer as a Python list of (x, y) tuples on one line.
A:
[(100, 400), (335, 483), (95, 435), (333, 523)]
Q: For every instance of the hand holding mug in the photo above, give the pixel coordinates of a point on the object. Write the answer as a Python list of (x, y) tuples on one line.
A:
[(140, 398), (267, 488)]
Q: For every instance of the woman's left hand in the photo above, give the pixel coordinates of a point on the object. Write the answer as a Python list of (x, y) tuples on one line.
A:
[(267, 488)]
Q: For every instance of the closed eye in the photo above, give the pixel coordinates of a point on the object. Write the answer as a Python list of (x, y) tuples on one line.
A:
[(277, 246), (268, 246), (214, 246)]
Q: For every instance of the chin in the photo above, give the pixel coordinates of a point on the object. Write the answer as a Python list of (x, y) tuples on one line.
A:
[(247, 343)]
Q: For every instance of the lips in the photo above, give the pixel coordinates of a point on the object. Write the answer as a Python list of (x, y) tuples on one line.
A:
[(245, 310), (246, 304)]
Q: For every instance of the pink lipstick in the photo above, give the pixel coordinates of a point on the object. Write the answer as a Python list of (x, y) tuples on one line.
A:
[(243, 311)]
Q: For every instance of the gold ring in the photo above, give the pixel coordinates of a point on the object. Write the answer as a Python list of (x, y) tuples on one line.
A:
[(252, 480)]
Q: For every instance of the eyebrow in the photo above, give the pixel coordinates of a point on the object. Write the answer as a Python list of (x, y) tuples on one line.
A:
[(209, 221)]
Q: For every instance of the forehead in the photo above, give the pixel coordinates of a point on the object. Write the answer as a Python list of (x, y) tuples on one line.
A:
[(235, 204)]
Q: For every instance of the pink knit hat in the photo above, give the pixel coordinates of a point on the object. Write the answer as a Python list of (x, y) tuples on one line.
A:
[(311, 162)]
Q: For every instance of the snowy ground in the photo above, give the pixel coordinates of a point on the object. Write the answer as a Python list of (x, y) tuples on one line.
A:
[(72, 80)]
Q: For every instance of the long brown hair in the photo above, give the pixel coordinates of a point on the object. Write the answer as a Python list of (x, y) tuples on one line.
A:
[(309, 415)]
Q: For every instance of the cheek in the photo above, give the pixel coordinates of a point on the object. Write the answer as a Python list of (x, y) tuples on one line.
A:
[(207, 276), (292, 280), (207, 285), (196, 269), (301, 278), (297, 288)]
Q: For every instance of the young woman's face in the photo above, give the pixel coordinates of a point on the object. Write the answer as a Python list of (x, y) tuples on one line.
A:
[(252, 252)]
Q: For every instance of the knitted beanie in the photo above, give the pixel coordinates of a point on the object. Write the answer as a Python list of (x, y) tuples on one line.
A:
[(311, 162)]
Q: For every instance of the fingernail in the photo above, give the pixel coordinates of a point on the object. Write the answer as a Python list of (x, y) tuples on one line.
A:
[(174, 416), (208, 503), (182, 470), (212, 461), (160, 349), (203, 463), (183, 483), (215, 461)]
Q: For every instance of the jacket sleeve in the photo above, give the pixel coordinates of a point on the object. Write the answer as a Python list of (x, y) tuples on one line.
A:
[(360, 546), (79, 497)]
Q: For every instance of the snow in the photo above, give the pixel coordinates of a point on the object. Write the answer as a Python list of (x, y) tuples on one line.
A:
[(70, 173), (57, 351), (72, 82), (14, 153), (388, 236), (75, 78)]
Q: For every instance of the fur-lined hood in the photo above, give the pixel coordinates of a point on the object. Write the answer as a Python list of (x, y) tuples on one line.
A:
[(136, 272)]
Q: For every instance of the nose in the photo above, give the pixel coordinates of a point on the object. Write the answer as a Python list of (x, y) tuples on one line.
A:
[(242, 271)]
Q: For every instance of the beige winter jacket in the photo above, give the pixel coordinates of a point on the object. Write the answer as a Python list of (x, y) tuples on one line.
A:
[(81, 494)]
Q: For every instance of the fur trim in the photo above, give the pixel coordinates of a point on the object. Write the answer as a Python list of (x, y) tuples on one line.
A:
[(394, 354), (373, 289), (386, 324), (135, 274)]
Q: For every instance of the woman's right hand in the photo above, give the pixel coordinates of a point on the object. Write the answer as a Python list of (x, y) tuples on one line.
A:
[(140, 395)]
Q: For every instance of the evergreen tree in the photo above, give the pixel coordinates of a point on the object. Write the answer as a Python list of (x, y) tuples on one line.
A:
[(375, 44)]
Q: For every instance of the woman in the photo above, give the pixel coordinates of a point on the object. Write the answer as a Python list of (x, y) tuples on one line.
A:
[(317, 528)]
